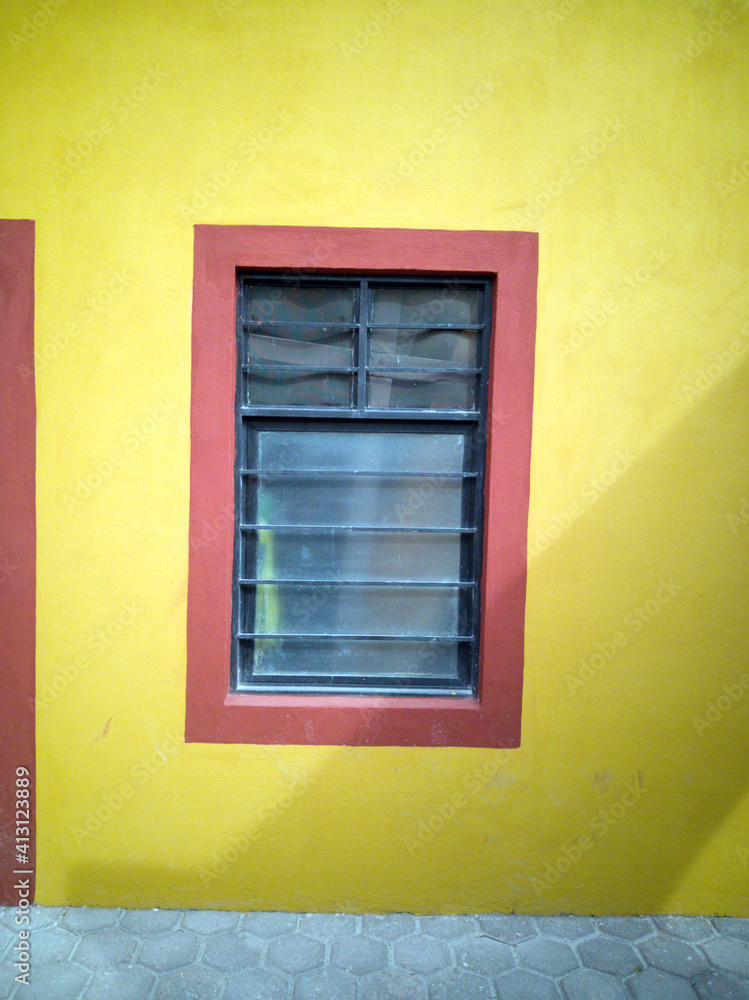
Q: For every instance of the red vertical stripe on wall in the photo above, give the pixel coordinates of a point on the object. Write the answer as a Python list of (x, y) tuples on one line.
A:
[(17, 556)]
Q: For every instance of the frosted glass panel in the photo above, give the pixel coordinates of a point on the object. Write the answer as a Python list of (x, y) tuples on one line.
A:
[(387, 659), (305, 304), (364, 451), (431, 305)]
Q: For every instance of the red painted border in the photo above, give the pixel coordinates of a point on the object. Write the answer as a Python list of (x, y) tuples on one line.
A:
[(17, 543), (212, 714)]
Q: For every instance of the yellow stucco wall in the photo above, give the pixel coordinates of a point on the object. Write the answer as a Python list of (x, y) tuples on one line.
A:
[(619, 133)]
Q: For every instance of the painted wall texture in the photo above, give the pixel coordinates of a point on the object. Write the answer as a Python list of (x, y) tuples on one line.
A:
[(618, 132)]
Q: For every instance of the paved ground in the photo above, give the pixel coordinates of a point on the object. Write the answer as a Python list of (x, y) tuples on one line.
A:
[(89, 954)]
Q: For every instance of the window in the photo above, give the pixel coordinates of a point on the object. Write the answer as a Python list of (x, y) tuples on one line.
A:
[(361, 439), (359, 485)]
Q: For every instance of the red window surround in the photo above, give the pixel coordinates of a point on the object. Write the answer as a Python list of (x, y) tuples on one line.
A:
[(213, 714), (17, 564)]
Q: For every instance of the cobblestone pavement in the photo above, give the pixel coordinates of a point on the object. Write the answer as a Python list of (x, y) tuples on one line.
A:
[(91, 954)]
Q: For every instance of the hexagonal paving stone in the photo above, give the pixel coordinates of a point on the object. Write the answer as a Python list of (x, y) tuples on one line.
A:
[(729, 954), (126, 982), (44, 916), (359, 955), (168, 951), (231, 952), (523, 985), (392, 986), (626, 928), (485, 956), (421, 954), (56, 981), (569, 928), (149, 921), (256, 983), (388, 926), (8, 937), (508, 928), (718, 985), (328, 926), (672, 955), (295, 953), (189, 984), (654, 985), (465, 985), (328, 985), (550, 957), (587, 984), (269, 925), (104, 949), (448, 928), (8, 981), (687, 928), (210, 921), (52, 944), (608, 955), (83, 919), (737, 927)]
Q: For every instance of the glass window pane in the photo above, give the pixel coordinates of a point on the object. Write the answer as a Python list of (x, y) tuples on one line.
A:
[(439, 391), (301, 304), (392, 347), (340, 658), (364, 451), (445, 302), (326, 608), (290, 346), (350, 500), (350, 555), (298, 388)]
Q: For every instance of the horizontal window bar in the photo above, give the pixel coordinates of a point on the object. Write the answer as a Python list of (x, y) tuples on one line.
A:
[(426, 325), (290, 369), (355, 527), (343, 474), (353, 413), (306, 636), (444, 585), (372, 688)]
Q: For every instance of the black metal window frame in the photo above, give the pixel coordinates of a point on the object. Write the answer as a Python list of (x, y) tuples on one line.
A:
[(470, 423)]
